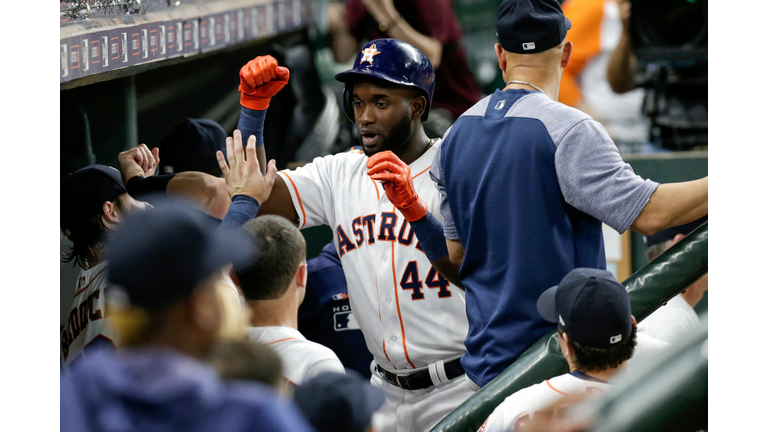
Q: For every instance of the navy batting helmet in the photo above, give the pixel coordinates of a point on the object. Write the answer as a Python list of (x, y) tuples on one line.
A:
[(393, 61)]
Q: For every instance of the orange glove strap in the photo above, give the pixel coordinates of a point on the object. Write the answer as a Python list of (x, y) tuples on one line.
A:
[(254, 103), (414, 211)]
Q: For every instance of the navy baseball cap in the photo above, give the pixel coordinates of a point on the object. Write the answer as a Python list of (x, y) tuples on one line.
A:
[(158, 257), (83, 194), (334, 402), (591, 306), (530, 26), (191, 146), (670, 233)]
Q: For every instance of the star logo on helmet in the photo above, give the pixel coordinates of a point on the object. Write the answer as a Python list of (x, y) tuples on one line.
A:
[(368, 54)]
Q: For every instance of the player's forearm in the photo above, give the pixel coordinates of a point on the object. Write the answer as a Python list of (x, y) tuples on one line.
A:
[(448, 270), (243, 209), (429, 232), (280, 203), (622, 65), (252, 123), (673, 204)]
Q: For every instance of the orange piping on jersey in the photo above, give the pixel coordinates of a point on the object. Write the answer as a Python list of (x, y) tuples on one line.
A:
[(397, 300), (280, 340), (422, 171), (303, 213), (375, 186), (550, 386), (89, 283)]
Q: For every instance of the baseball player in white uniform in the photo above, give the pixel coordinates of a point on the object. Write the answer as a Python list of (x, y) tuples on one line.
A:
[(592, 311), (677, 318), (274, 286), (93, 202), (302, 359), (413, 318)]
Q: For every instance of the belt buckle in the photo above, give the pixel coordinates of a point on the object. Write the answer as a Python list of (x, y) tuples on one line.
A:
[(404, 383)]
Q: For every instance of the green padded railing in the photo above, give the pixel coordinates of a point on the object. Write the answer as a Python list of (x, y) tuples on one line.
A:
[(649, 288)]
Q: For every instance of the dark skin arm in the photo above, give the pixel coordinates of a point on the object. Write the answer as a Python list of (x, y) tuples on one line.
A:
[(280, 203), (448, 269)]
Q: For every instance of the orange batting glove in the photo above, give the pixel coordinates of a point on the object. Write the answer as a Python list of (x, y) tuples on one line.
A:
[(396, 178), (260, 79)]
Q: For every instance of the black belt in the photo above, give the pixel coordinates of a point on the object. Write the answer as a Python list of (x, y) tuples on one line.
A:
[(421, 379)]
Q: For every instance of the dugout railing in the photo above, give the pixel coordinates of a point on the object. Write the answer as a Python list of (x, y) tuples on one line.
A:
[(649, 288)]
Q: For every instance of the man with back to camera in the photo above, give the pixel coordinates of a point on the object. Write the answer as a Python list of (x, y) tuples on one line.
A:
[(597, 336), (164, 265), (526, 184), (325, 316), (274, 286), (413, 319)]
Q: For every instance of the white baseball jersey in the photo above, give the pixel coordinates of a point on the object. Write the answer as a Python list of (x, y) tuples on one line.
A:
[(409, 314), (521, 406), (302, 359), (670, 322), (86, 326)]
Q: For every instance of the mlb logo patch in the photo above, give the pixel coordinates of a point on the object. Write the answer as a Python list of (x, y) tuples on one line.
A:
[(343, 321), (616, 339), (529, 46)]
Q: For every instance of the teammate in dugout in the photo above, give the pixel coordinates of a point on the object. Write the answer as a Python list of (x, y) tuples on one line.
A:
[(274, 286), (93, 203), (597, 335), (413, 318), (164, 265), (526, 184)]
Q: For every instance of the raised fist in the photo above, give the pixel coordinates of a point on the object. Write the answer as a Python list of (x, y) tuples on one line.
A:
[(260, 79)]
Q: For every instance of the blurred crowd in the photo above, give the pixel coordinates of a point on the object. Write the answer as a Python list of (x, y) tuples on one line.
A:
[(190, 312)]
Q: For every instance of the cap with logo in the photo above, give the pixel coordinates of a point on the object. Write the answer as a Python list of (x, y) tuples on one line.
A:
[(530, 26), (392, 61), (159, 256), (591, 306), (83, 194)]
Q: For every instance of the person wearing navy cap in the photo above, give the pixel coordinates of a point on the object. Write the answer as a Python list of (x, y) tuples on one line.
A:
[(164, 266), (340, 402), (597, 335), (93, 204), (526, 185)]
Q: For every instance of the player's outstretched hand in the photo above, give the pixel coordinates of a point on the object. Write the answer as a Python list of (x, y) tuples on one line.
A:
[(243, 174), (261, 79), (138, 161), (396, 178)]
